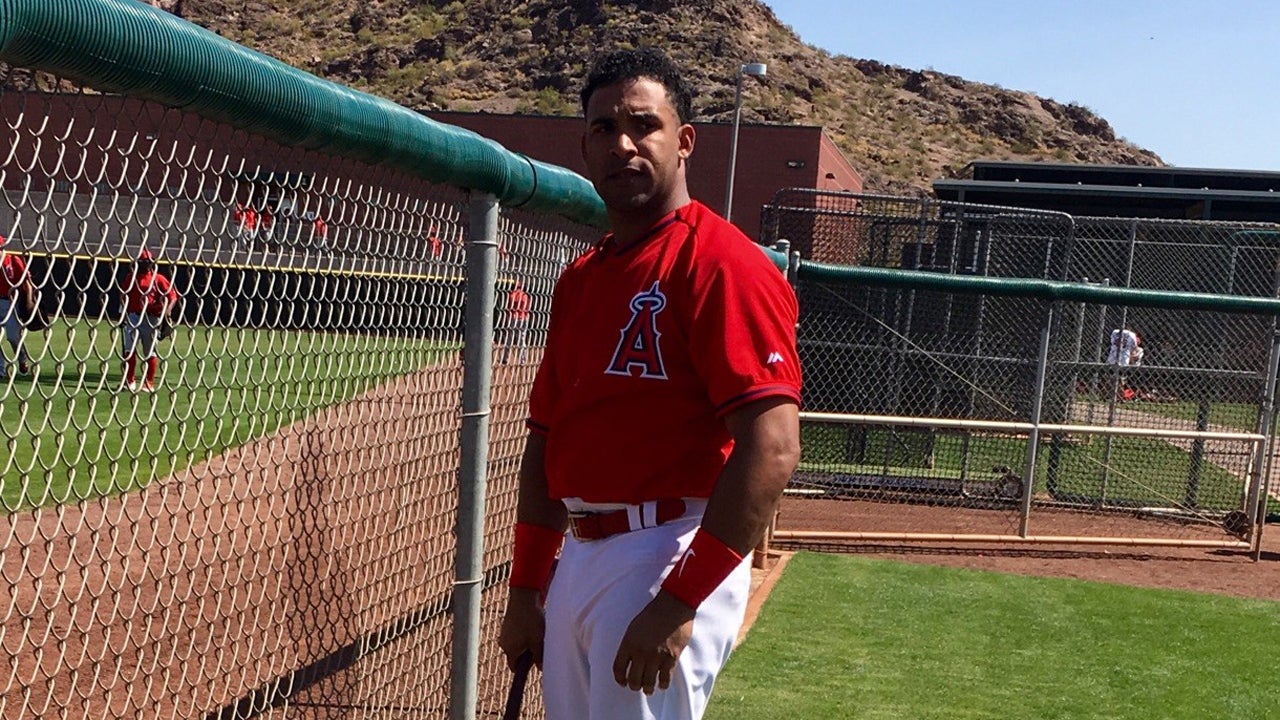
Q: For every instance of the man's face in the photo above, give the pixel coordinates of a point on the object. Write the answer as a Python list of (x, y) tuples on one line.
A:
[(635, 147)]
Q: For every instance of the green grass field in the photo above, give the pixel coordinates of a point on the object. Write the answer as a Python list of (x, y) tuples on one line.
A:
[(1239, 416), (70, 435), (863, 639), (1222, 414), (1139, 470)]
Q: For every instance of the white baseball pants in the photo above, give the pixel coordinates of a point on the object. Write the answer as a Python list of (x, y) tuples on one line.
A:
[(12, 331), (139, 336), (598, 588)]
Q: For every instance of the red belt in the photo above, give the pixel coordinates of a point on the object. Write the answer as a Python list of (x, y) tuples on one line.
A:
[(600, 525)]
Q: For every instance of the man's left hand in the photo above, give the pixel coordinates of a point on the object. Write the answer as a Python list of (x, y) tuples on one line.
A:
[(653, 643)]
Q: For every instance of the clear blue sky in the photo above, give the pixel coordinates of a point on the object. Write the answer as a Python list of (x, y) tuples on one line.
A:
[(1196, 82)]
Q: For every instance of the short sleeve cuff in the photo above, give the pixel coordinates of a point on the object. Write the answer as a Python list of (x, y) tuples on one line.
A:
[(758, 393)]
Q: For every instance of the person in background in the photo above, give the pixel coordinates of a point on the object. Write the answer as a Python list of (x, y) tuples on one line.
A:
[(1123, 342), (17, 300), (320, 232), (1125, 350), (516, 323), (266, 224), (436, 246), (246, 222), (150, 301)]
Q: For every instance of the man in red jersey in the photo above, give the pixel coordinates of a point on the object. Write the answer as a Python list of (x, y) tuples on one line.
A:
[(663, 425), (246, 222), (515, 331), (149, 301), (17, 300)]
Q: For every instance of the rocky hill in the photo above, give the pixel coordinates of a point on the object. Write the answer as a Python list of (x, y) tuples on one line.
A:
[(900, 128)]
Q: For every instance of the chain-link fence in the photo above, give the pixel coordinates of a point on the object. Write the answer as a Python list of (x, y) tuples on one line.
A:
[(267, 524), (1021, 416)]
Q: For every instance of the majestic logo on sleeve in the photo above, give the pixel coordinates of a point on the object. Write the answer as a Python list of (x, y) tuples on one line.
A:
[(638, 346)]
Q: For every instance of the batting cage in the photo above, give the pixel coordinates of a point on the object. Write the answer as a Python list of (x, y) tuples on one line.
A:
[(1032, 377)]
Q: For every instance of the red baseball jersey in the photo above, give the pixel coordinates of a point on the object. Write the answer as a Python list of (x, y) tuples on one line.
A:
[(13, 273), (148, 292), (519, 304), (246, 218), (649, 348)]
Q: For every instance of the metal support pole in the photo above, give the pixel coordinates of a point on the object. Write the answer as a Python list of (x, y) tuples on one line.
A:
[(1195, 469), (1033, 439), (758, 70), (1256, 504), (1264, 491), (733, 151), (1099, 355), (477, 376), (1056, 443)]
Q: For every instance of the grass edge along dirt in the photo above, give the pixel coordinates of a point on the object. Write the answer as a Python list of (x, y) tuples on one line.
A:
[(71, 434), (858, 638)]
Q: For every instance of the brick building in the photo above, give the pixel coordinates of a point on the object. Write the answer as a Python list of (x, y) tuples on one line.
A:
[(770, 157)]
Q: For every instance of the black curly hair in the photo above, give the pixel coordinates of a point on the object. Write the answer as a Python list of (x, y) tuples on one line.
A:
[(649, 63)]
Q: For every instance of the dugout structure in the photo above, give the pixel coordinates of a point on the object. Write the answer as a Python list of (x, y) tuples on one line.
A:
[(949, 382)]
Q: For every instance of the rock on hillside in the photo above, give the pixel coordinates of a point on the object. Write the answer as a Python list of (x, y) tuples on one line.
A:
[(901, 128)]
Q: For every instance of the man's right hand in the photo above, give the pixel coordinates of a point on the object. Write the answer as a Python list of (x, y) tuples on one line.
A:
[(523, 626)]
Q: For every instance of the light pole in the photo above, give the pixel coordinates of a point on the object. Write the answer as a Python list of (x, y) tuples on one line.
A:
[(757, 69)]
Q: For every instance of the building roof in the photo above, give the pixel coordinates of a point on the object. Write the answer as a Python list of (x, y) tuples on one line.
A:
[(1119, 190)]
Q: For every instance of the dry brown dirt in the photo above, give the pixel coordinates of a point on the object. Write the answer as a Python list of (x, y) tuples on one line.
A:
[(1213, 570)]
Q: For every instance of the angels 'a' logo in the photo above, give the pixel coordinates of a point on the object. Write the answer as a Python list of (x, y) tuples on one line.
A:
[(638, 346)]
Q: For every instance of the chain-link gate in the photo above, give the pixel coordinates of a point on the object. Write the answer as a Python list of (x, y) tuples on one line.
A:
[(1075, 421)]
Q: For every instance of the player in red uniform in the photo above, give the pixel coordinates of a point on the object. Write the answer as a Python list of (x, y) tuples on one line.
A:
[(246, 222), (149, 300), (16, 297), (516, 323), (663, 425)]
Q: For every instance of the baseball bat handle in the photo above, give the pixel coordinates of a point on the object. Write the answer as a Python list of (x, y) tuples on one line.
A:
[(515, 695)]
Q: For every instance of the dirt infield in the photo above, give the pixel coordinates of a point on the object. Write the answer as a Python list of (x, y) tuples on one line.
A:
[(306, 573)]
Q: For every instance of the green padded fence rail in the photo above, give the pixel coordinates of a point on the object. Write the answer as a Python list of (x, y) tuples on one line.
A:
[(1040, 289), (778, 259), (123, 46)]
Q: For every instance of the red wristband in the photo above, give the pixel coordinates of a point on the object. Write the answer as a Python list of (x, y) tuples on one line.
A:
[(701, 569), (534, 554)]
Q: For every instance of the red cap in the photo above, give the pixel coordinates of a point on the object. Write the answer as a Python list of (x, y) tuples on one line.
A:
[(145, 255), (2, 241)]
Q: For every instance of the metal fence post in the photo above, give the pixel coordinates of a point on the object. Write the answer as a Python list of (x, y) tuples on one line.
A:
[(1256, 503), (477, 376), (1037, 404)]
